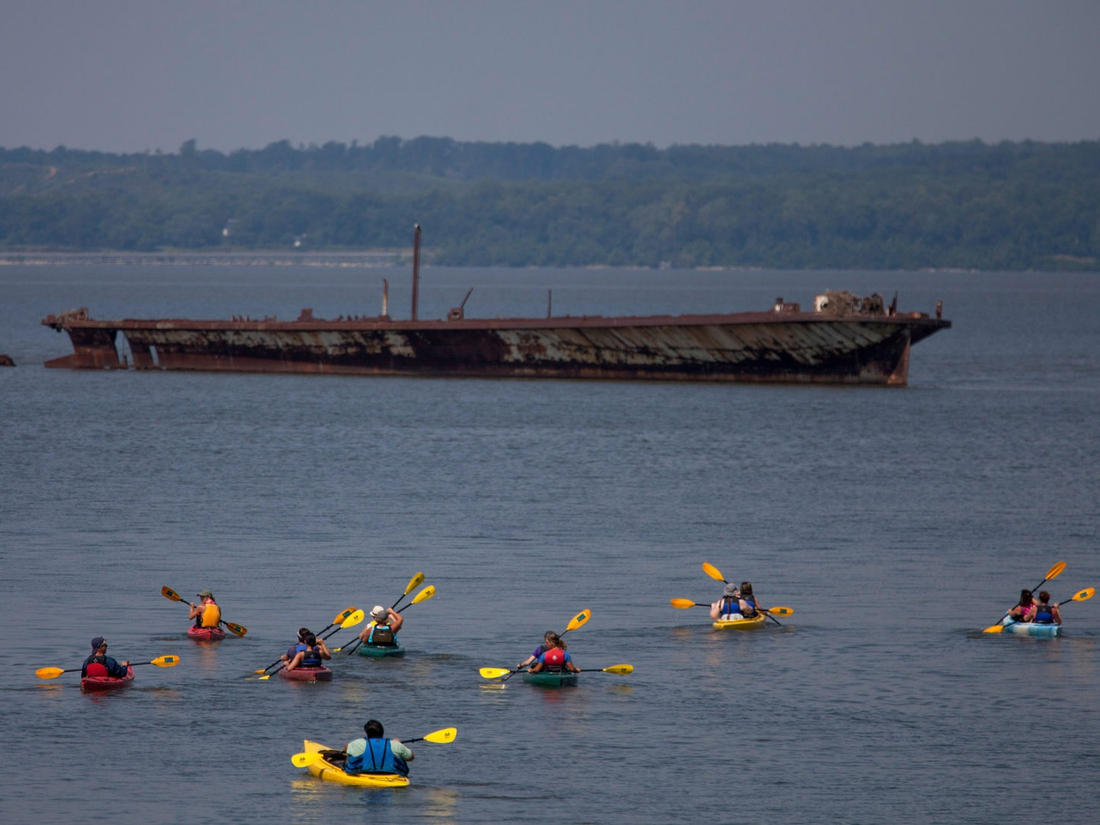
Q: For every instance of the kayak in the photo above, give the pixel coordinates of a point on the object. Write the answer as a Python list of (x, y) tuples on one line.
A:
[(307, 674), (332, 772), (759, 620), (205, 634), (94, 683), (1032, 629), (551, 678), (377, 651)]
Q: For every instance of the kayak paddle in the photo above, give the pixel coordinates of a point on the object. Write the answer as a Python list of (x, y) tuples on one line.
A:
[(684, 604), (342, 616), (716, 574), (622, 670), (54, 672), (1053, 573), (441, 737), (422, 596), (414, 583), (172, 595)]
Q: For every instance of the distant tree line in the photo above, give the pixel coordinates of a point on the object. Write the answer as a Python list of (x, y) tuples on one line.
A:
[(906, 206)]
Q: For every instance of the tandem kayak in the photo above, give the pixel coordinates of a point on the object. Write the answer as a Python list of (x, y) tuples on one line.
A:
[(1032, 628), (759, 620), (94, 683), (205, 634), (333, 772), (307, 674), (551, 679), (377, 651)]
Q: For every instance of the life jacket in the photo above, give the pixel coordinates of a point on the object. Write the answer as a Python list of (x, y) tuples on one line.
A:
[(211, 616), (381, 634), (1044, 615), (97, 667), (312, 657), (377, 757), (729, 609)]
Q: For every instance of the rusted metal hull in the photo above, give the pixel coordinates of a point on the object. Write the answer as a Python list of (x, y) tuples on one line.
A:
[(757, 347)]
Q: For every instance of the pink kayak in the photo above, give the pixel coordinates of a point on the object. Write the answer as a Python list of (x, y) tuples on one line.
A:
[(205, 634), (93, 683), (307, 674)]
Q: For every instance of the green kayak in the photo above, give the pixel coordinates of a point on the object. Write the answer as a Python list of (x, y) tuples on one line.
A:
[(378, 651), (551, 679)]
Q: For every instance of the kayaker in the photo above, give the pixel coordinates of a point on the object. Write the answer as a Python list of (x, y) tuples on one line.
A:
[(549, 639), (383, 627), (206, 613), (555, 660), (297, 646), (100, 664), (729, 606), (1025, 610), (746, 602), (376, 754), (311, 653), (1045, 612)]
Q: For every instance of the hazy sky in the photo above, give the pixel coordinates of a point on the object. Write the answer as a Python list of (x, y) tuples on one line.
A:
[(135, 75)]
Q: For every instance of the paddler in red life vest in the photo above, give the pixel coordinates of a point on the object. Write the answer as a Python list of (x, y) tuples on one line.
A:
[(376, 754), (555, 660), (729, 606), (206, 613), (99, 664), (383, 627)]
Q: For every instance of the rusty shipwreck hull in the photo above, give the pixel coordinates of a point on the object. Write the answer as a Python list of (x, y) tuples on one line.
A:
[(762, 347)]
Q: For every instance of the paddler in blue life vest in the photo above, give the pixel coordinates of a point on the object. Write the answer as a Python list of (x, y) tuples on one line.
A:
[(99, 664), (729, 606), (310, 653), (206, 613), (1045, 612), (376, 754), (383, 627)]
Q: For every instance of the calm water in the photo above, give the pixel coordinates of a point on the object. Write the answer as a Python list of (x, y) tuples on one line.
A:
[(896, 524)]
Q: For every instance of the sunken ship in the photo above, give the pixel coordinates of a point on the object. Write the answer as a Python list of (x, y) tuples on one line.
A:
[(843, 339)]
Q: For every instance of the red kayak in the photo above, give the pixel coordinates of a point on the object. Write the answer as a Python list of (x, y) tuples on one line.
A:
[(307, 674), (93, 683), (205, 634)]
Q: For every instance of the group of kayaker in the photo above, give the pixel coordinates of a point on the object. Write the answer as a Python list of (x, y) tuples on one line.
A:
[(736, 603), (1038, 612)]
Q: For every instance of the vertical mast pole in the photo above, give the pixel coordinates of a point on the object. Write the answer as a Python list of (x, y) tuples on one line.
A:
[(416, 269)]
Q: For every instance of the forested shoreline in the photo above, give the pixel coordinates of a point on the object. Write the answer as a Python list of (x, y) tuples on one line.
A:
[(970, 205)]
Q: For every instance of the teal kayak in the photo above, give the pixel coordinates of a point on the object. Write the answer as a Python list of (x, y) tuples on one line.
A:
[(378, 651), (551, 679), (1032, 628)]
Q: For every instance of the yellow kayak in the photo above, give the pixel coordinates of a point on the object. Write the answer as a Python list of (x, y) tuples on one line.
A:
[(741, 624), (334, 773)]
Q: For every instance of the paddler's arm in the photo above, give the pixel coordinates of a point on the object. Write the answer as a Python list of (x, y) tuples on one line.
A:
[(401, 750)]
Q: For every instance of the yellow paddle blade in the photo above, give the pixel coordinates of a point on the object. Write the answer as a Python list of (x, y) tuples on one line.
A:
[(997, 628), (424, 594), (579, 620), (487, 672), (682, 604), (343, 614), (713, 572), (414, 582), (48, 672), (236, 629), (169, 593), (1055, 571), (303, 760), (166, 661), (442, 736), (779, 611), (1084, 595), (354, 619), (620, 669), (265, 678)]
